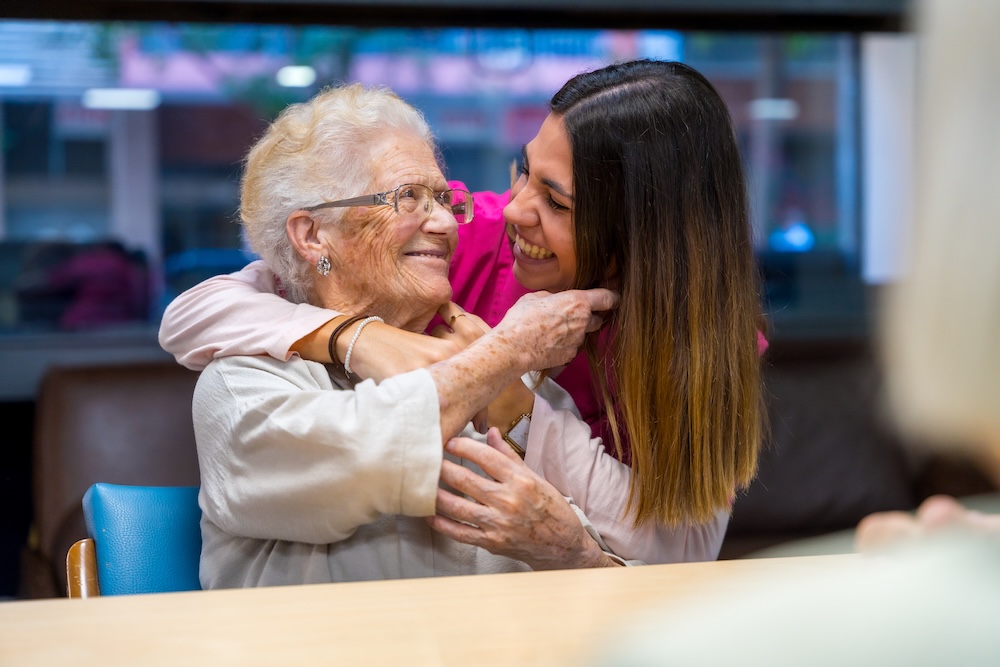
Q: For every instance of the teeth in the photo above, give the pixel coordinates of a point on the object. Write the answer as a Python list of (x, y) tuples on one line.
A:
[(533, 251)]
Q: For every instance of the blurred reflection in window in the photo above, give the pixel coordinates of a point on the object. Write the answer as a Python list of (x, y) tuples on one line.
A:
[(148, 173)]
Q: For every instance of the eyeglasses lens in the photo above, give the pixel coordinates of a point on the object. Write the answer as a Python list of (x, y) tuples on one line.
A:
[(458, 200), (418, 200), (411, 199)]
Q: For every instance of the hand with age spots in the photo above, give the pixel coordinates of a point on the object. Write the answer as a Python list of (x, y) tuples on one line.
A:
[(513, 512), (461, 330), (550, 328)]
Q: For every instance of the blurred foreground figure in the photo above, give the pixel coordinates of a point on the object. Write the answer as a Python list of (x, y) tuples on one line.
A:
[(941, 322)]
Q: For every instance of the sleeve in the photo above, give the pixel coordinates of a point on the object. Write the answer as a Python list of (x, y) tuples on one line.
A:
[(236, 314), (285, 455), (596, 536), (561, 450)]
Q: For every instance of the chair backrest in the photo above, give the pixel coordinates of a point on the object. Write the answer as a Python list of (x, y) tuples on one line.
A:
[(148, 538), (128, 424)]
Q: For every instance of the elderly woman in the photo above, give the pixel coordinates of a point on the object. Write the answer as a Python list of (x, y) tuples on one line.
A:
[(309, 475)]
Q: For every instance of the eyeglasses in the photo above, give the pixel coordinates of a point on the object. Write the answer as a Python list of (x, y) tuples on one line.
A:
[(411, 199)]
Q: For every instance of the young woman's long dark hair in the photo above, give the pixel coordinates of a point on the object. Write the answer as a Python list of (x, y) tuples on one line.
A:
[(661, 214)]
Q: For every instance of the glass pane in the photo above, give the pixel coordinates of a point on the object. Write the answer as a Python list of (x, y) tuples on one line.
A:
[(157, 171)]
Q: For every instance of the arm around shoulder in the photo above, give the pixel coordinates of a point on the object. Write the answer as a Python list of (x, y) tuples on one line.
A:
[(235, 314)]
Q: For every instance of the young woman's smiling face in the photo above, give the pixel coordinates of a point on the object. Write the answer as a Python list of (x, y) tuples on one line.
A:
[(540, 213)]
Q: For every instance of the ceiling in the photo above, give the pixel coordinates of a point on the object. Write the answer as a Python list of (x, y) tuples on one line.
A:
[(734, 15)]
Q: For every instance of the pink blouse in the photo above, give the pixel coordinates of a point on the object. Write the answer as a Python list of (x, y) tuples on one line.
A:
[(482, 277)]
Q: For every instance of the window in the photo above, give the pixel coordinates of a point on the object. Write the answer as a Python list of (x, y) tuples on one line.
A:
[(123, 143)]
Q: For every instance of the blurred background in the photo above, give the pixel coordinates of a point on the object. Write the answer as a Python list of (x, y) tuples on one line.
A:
[(122, 144), (124, 122)]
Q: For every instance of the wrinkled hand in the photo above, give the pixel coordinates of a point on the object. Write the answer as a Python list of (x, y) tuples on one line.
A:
[(463, 328), (516, 513), (937, 513), (550, 328)]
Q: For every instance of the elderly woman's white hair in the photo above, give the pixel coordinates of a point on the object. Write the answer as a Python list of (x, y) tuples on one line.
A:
[(941, 343), (316, 151)]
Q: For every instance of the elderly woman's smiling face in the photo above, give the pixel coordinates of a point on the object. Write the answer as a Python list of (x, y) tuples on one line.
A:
[(390, 264)]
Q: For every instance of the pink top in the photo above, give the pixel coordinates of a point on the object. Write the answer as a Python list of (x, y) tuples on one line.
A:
[(482, 277)]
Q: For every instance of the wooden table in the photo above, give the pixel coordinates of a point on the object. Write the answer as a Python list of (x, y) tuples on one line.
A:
[(535, 618)]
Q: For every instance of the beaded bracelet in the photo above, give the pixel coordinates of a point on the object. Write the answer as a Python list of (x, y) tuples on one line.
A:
[(350, 348), (332, 344)]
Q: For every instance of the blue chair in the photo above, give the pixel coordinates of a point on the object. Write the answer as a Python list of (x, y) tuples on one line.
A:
[(147, 539)]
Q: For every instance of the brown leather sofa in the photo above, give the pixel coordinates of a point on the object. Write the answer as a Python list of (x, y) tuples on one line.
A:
[(120, 424)]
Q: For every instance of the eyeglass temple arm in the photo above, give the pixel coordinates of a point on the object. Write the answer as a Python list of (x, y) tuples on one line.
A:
[(363, 200)]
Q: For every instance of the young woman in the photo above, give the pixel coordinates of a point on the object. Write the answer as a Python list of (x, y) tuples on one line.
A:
[(634, 182)]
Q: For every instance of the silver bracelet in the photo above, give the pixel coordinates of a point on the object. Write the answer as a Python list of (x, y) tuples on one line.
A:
[(354, 339)]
